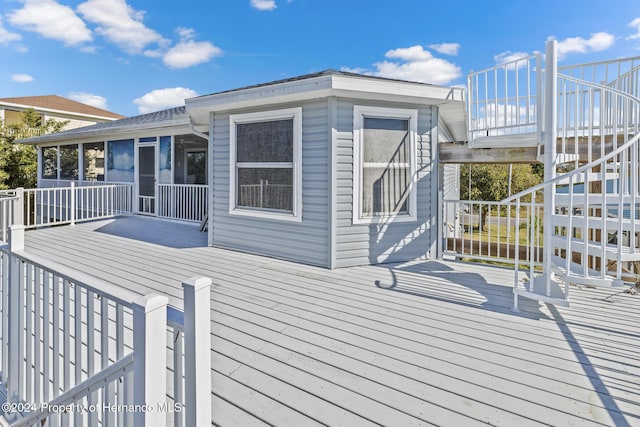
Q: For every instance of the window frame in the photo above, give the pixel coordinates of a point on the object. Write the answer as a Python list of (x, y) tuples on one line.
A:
[(296, 165), (359, 114)]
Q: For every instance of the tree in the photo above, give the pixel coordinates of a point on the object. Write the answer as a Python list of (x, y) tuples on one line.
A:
[(490, 182), (18, 162)]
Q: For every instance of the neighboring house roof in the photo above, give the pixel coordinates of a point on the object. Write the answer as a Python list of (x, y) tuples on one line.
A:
[(165, 118), (59, 104)]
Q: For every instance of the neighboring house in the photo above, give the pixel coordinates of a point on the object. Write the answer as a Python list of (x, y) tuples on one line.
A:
[(55, 107), (332, 169)]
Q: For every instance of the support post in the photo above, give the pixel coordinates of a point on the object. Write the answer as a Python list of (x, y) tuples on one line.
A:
[(550, 132), (72, 203), (197, 350), (150, 360), (18, 208), (16, 243)]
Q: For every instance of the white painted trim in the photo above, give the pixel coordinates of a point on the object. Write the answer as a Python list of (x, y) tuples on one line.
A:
[(359, 113), (289, 113)]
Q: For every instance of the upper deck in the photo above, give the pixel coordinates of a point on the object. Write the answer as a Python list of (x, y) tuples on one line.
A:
[(418, 343)]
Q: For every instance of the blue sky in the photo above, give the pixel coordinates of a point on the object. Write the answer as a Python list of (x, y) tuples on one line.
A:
[(137, 56)]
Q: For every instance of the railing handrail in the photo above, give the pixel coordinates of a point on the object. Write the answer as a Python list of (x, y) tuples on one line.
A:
[(600, 86), (591, 64), (99, 286), (504, 64), (112, 372)]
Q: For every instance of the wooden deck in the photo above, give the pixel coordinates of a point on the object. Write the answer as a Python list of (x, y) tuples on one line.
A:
[(419, 343)]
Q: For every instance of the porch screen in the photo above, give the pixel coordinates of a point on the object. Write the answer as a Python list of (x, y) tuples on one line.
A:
[(264, 165), (385, 166), (69, 162), (50, 163)]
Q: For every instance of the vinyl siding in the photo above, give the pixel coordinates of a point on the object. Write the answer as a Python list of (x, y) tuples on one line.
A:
[(304, 241), (377, 243)]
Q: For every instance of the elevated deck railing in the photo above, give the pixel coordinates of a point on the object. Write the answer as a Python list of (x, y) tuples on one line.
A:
[(70, 340), (494, 231), (182, 202), (186, 202), (68, 205), (506, 99)]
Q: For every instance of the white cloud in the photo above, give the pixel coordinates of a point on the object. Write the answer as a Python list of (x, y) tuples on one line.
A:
[(89, 99), (446, 48), (635, 23), (414, 64), (263, 4), (21, 78), (188, 52), (51, 20), (596, 43), (160, 99), (6, 36), (120, 24), (509, 56)]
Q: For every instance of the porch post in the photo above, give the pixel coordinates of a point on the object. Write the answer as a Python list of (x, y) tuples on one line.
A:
[(18, 208), (150, 359), (72, 203), (16, 243), (550, 132), (197, 351)]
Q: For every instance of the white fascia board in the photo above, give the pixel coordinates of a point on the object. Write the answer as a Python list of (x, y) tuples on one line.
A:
[(60, 112), (173, 127), (322, 87), (369, 88)]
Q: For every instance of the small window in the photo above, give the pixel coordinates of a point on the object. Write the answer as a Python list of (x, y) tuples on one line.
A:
[(50, 163), (93, 158), (69, 162), (265, 164), (384, 164)]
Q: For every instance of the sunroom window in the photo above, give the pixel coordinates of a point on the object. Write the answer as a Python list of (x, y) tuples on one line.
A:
[(265, 164), (50, 163), (384, 164)]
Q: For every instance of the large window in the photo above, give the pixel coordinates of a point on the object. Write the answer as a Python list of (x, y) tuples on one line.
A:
[(265, 164), (384, 164), (120, 160)]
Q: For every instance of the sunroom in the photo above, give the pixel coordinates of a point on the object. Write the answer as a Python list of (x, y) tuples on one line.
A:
[(157, 156)]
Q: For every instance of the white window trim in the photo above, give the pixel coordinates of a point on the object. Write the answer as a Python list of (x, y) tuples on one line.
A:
[(359, 113), (289, 113)]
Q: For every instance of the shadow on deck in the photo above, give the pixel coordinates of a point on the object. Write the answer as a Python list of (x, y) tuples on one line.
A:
[(172, 234)]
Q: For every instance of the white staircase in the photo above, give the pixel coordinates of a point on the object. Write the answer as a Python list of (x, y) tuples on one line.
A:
[(585, 121)]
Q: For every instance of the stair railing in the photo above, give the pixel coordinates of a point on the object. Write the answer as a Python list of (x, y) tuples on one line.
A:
[(598, 123)]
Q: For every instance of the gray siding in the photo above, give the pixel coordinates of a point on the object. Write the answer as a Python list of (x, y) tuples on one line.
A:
[(305, 241), (374, 243)]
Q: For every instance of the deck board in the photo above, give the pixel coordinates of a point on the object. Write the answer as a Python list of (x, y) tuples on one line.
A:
[(419, 343)]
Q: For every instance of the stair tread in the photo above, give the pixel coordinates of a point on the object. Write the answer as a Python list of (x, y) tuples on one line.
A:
[(528, 139)]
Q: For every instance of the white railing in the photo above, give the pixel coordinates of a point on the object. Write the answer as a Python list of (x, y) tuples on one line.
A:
[(68, 205), (187, 202), (493, 231), (506, 99), (265, 195), (591, 224), (11, 211), (78, 351)]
